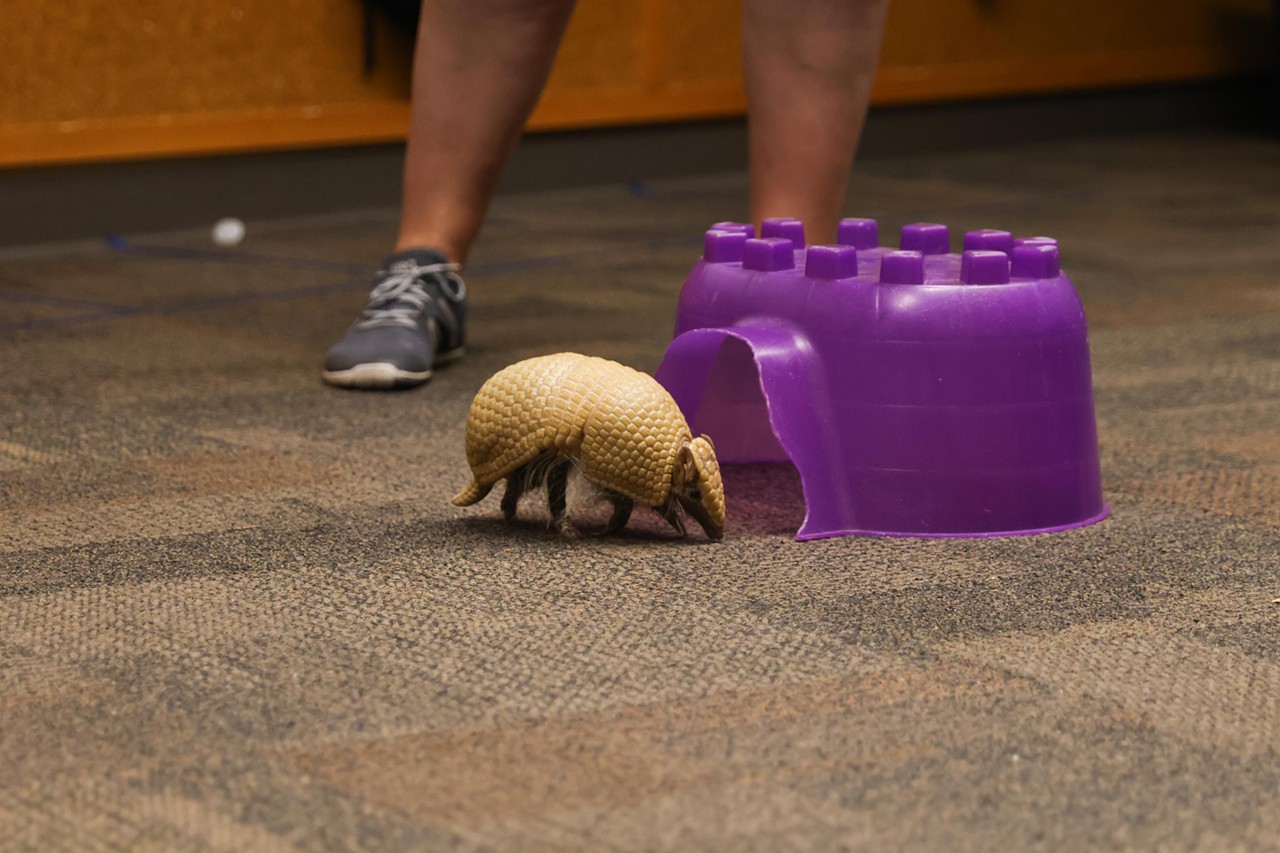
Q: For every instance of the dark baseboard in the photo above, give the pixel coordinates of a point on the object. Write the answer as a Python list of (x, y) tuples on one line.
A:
[(52, 204), (1244, 106)]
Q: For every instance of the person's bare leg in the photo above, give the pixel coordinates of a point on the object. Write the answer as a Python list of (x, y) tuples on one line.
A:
[(808, 67), (478, 70)]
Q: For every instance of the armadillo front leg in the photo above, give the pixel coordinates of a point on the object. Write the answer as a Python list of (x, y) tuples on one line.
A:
[(622, 507), (557, 499)]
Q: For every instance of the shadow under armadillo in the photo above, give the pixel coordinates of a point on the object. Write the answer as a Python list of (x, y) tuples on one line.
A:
[(645, 527), (764, 498)]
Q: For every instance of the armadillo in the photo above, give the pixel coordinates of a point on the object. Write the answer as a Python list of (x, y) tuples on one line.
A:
[(533, 420)]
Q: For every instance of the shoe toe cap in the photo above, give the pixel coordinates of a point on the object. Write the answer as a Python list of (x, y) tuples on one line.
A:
[(403, 348)]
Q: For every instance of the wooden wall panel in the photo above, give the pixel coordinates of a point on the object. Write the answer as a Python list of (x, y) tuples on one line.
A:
[(103, 79), (69, 60), (604, 49), (961, 48), (704, 43), (648, 60)]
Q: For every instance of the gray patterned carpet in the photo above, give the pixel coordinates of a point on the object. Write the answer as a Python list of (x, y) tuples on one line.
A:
[(238, 613)]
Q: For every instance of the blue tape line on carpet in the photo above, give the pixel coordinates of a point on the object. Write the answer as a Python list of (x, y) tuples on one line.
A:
[(115, 311), (473, 271), (120, 244), (53, 299)]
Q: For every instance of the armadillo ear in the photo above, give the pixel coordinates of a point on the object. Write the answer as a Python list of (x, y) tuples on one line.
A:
[(686, 465), (708, 440)]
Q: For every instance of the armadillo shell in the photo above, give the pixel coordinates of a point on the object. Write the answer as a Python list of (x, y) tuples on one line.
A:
[(619, 425)]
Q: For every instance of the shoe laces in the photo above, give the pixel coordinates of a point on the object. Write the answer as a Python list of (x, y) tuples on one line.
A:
[(400, 296)]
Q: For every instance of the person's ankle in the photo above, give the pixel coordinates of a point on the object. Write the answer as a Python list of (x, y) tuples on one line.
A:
[(407, 242)]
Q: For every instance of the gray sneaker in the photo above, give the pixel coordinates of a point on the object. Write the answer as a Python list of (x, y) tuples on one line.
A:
[(415, 319)]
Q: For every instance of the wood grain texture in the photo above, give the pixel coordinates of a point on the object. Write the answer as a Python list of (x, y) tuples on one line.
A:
[(68, 60), (92, 80)]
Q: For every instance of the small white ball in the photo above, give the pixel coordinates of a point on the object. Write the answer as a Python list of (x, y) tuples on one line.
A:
[(228, 231)]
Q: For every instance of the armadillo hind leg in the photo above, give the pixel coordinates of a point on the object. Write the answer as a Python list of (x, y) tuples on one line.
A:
[(557, 499), (622, 507), (525, 479), (511, 497)]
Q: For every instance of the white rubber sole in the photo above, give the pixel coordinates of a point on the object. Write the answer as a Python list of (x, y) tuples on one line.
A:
[(382, 375), (376, 375)]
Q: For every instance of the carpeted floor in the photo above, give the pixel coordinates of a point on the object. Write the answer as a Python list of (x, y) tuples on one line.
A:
[(238, 613)]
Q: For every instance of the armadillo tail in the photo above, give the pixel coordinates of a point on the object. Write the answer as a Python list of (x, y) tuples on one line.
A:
[(473, 493)]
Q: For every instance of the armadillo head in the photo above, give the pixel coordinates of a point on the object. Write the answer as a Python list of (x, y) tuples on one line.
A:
[(697, 487)]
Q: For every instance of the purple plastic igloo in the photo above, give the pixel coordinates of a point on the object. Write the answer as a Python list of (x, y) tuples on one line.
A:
[(917, 392)]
